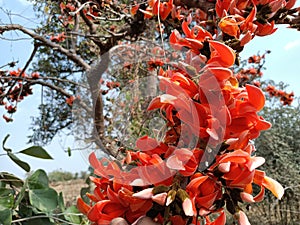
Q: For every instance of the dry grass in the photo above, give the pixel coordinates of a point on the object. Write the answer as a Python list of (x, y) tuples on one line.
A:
[(70, 189)]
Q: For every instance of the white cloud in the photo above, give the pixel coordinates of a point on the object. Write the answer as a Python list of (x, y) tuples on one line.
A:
[(292, 44)]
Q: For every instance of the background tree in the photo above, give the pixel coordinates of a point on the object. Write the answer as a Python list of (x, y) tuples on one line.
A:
[(74, 35), (280, 147)]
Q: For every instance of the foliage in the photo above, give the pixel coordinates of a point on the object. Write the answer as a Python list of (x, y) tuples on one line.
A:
[(33, 202), (280, 147), (58, 175), (34, 151)]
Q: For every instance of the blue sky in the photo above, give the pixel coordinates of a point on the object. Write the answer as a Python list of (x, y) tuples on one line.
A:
[(18, 130), (282, 65)]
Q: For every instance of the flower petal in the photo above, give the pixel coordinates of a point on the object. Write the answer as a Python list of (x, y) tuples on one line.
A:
[(256, 96), (188, 207), (243, 219), (144, 194), (274, 187), (222, 54)]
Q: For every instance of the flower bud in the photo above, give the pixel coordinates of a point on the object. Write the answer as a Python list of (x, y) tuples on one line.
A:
[(171, 197)]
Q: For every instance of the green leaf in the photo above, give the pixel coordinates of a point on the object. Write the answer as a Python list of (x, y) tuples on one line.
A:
[(70, 215), (3, 144), (24, 208), (5, 217), (61, 202), (83, 195), (36, 151), (20, 196), (10, 179), (38, 180), (69, 151), (24, 165), (6, 198), (43, 199)]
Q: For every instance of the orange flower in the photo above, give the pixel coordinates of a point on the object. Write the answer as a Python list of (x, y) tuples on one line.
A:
[(204, 191), (58, 38), (239, 171), (156, 7), (230, 25), (248, 23), (105, 211), (35, 75), (185, 161), (244, 113), (16, 73), (113, 201), (239, 168), (193, 39), (265, 29), (151, 146), (222, 7), (152, 169), (70, 100)]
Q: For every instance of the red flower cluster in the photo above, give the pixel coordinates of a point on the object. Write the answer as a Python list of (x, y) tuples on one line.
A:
[(285, 98), (253, 74), (70, 100), (58, 38), (14, 89), (107, 86), (206, 162), (245, 19), (156, 8)]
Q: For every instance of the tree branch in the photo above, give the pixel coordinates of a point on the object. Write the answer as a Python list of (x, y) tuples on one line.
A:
[(204, 5), (31, 82), (63, 92), (71, 55)]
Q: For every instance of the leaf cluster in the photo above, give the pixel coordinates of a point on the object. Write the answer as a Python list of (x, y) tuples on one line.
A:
[(33, 201), (34, 151)]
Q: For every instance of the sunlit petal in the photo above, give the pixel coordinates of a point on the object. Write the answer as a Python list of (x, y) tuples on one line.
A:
[(274, 187)]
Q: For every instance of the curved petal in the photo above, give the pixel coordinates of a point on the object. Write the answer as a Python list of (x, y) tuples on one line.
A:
[(82, 206), (274, 187), (195, 183), (256, 96), (221, 73), (221, 54)]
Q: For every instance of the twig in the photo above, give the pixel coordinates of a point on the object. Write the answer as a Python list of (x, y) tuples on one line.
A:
[(44, 78), (71, 55), (42, 216), (15, 39)]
